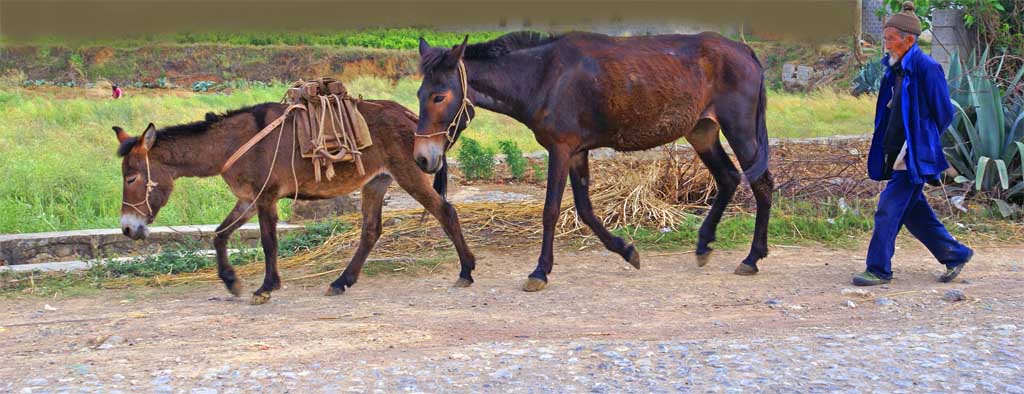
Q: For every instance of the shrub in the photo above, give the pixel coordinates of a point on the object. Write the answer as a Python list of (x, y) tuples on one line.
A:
[(540, 170), (12, 78), (475, 161), (514, 158), (203, 86), (985, 142), (869, 77)]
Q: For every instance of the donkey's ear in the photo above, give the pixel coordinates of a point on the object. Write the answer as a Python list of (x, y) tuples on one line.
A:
[(121, 135), (149, 137), (459, 50), (424, 47)]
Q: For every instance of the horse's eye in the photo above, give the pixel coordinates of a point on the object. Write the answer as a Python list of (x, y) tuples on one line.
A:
[(131, 179), (438, 98)]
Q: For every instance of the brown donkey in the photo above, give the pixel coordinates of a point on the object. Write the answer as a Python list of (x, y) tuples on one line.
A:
[(581, 91), (155, 159)]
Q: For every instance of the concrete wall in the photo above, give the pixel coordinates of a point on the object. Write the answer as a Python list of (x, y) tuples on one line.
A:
[(949, 36)]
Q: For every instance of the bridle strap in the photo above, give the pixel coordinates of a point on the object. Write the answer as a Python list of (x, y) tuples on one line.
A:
[(452, 131), (149, 187)]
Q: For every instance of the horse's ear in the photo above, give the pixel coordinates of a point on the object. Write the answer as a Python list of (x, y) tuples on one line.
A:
[(121, 135), (424, 47), (149, 137), (459, 50)]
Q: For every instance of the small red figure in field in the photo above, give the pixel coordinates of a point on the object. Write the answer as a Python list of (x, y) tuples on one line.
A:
[(117, 91)]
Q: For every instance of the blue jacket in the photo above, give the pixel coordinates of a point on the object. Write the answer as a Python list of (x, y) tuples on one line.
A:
[(927, 112)]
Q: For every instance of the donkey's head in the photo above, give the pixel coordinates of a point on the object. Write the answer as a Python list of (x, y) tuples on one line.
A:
[(147, 182), (445, 109)]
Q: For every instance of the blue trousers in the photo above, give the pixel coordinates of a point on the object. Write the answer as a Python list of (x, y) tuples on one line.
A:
[(903, 203)]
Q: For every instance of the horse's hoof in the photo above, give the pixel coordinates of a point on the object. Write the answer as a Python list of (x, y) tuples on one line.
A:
[(334, 291), (745, 270), (260, 298), (534, 284), (634, 257), (703, 259), (462, 282)]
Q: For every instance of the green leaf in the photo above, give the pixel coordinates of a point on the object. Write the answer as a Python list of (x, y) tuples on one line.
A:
[(1020, 73), (1020, 153), (972, 135), (960, 179), (1005, 208), (989, 125), (1004, 179), (979, 177), (1017, 189), (1017, 123)]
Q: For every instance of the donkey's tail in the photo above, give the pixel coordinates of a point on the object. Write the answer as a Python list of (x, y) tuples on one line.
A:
[(441, 179), (760, 165)]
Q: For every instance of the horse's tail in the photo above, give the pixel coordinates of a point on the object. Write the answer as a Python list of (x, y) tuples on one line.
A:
[(441, 179), (760, 165)]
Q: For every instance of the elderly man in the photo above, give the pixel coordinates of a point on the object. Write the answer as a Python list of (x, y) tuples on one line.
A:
[(913, 110)]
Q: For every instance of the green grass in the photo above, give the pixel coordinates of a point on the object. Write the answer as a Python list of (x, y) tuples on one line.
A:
[(60, 168), (182, 258), (61, 173), (385, 38)]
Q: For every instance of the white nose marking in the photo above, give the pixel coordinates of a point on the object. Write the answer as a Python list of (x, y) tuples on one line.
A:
[(132, 221)]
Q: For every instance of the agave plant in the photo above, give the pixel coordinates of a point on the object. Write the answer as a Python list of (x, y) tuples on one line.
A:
[(985, 143), (869, 77)]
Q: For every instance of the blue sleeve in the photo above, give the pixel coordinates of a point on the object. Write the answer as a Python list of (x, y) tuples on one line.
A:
[(937, 98)]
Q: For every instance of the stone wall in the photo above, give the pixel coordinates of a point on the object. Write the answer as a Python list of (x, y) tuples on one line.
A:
[(93, 244)]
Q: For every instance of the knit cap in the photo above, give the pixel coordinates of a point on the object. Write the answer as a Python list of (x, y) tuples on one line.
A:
[(905, 20)]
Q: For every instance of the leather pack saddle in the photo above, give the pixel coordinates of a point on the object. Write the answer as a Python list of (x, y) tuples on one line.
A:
[(328, 126)]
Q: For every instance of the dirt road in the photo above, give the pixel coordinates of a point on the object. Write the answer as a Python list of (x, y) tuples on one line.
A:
[(600, 326)]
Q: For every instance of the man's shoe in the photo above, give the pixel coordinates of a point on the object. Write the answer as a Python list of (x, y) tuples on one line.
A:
[(954, 271), (868, 279)]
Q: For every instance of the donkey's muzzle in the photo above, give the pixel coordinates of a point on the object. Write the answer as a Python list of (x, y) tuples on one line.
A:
[(134, 227)]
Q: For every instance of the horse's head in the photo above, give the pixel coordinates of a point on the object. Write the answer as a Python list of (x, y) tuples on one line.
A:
[(445, 109), (147, 182)]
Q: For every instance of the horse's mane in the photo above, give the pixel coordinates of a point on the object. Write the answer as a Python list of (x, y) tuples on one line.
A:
[(189, 129), (492, 49)]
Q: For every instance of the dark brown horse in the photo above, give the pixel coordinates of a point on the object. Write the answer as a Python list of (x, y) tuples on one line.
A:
[(581, 91), (154, 160)]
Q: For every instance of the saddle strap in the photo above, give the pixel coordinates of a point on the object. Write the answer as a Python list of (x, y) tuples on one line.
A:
[(258, 137)]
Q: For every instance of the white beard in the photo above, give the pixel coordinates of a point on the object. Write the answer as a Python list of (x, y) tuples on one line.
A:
[(893, 59)]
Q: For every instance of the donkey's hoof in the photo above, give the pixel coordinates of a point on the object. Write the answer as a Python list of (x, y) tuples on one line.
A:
[(704, 259), (745, 270), (633, 257), (260, 298), (462, 282), (334, 291), (235, 288), (534, 284)]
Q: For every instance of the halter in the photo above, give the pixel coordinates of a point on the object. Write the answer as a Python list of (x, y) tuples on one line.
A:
[(149, 187), (452, 130)]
